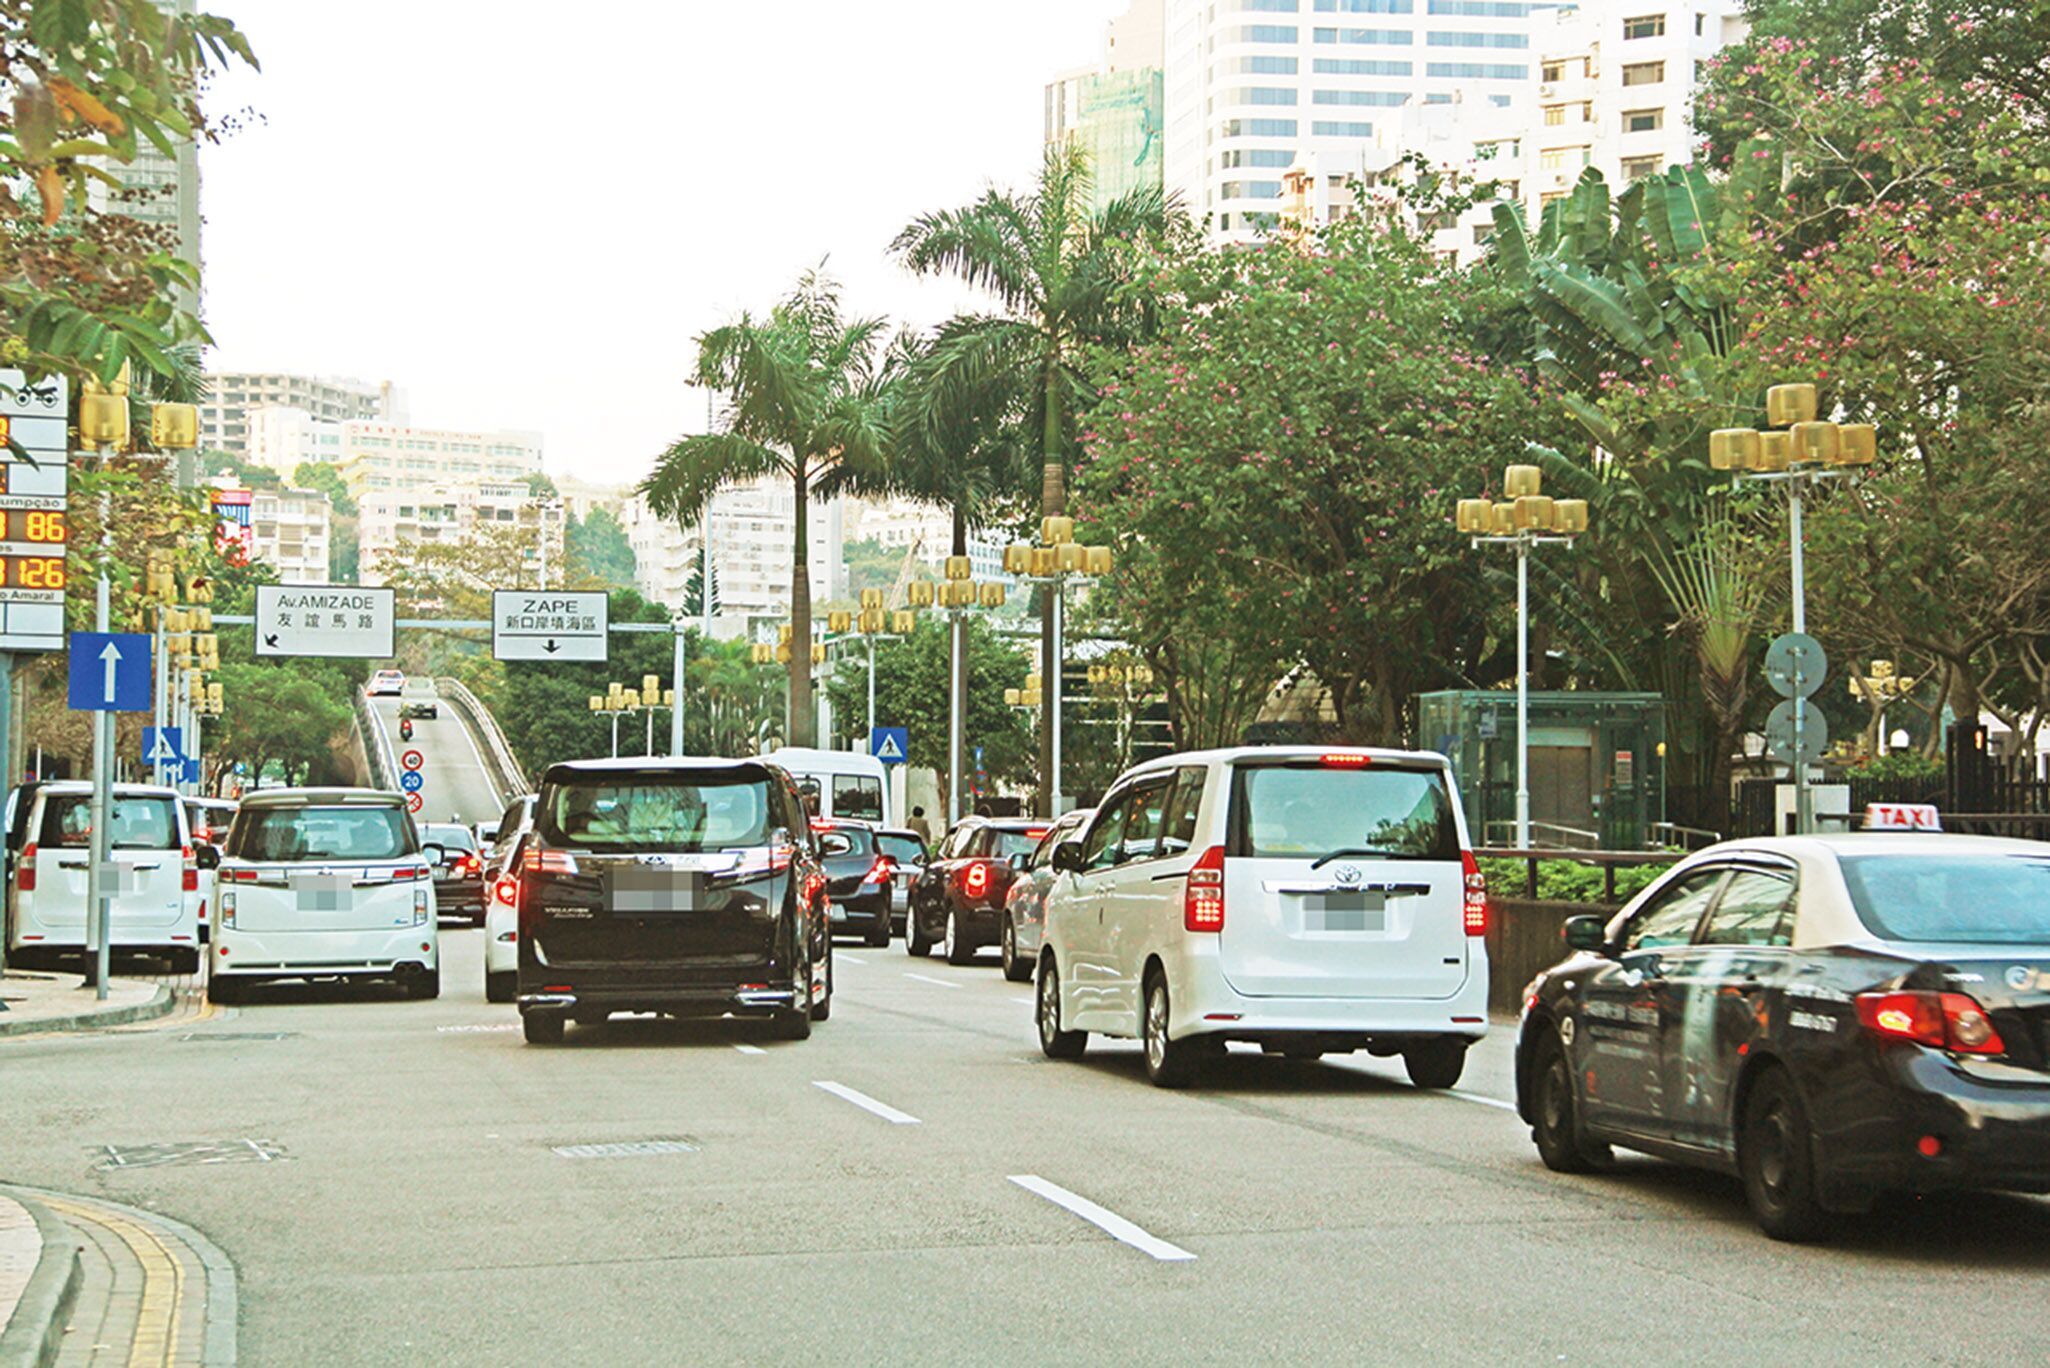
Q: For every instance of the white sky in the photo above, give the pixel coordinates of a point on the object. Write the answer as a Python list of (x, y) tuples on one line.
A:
[(523, 213)]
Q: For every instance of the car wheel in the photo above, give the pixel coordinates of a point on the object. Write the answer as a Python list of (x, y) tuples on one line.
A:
[(879, 934), (1170, 1063), (224, 992), (1556, 1104), (543, 1028), (1054, 1042), (1015, 969), (1776, 1155), (957, 947), (500, 987), (915, 941), (1435, 1063), (823, 1008), (425, 984)]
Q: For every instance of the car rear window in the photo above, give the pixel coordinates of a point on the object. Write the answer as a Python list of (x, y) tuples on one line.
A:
[(1009, 843), (902, 849), (132, 823), (655, 811), (1310, 810), (861, 841), (857, 795), (357, 831), (1968, 899), (450, 837)]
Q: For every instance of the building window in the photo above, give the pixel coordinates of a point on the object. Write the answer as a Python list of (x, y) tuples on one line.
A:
[(1483, 234), (1263, 66), (1339, 66), (1645, 26), (1265, 33), (1257, 156), (1555, 115), (1278, 6), (1562, 158), (1366, 6), (1258, 95), (1643, 120), (1477, 40), (1382, 98), (1259, 128), (1329, 129), (1644, 73), (1483, 71), (1385, 37), (1480, 9), (1637, 168), (1698, 20), (1250, 190)]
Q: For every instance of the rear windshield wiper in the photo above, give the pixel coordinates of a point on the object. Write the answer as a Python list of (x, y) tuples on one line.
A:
[(1347, 854)]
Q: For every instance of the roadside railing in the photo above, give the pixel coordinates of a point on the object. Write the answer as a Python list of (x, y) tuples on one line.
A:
[(1608, 861), (506, 774), (384, 766)]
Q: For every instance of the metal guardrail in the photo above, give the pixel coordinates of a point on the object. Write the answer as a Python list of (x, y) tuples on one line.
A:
[(384, 766), (1608, 861), (506, 773)]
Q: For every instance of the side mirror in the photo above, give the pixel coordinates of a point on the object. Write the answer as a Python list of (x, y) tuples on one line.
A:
[(206, 856), (1021, 861), (1067, 857), (1587, 933), (434, 852)]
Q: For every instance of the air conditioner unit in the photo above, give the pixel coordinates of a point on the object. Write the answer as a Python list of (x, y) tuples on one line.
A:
[(1546, 90)]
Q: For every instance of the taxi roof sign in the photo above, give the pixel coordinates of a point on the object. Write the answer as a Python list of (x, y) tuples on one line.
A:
[(1902, 817)]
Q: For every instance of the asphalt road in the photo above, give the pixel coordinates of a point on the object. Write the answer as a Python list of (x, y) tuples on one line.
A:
[(458, 788), (415, 1208)]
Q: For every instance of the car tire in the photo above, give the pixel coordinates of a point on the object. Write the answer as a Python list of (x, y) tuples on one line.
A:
[(879, 934), (1776, 1155), (501, 986), (1015, 969), (1435, 1063), (224, 992), (543, 1028), (1555, 1105), (424, 985), (915, 942), (823, 1008), (957, 947), (1054, 1042), (1170, 1063)]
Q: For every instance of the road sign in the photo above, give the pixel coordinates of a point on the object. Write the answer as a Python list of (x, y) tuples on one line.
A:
[(412, 781), (1796, 655), (163, 745), (412, 760), (414, 802), (339, 621), (33, 530), (110, 672), (192, 771), (1779, 733), (527, 625), (891, 745)]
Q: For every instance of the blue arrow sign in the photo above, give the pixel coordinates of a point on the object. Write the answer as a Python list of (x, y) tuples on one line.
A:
[(192, 771), (110, 672), (891, 745), (163, 745), (412, 781)]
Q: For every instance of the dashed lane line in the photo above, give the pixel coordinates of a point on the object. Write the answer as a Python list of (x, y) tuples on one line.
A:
[(1104, 1219), (922, 978), (748, 1049), (866, 1103)]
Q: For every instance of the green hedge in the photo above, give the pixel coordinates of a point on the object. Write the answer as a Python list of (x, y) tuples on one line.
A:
[(1565, 880)]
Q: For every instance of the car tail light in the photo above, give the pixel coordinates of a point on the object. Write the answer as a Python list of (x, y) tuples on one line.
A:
[(420, 907), (548, 862), (765, 866), (975, 879), (25, 869), (190, 878), (240, 875), (1036, 833), (228, 911), (467, 864), (880, 871), (1340, 760), (1474, 914), (1942, 1021), (202, 909), (507, 890), (1203, 894)]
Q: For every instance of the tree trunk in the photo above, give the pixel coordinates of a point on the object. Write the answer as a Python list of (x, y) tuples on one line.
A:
[(1053, 501), (802, 725)]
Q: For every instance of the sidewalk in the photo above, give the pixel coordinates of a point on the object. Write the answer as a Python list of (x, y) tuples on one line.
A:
[(37, 1003), (88, 1282)]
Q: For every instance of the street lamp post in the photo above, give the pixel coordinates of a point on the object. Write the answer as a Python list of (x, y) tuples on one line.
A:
[(1802, 454), (618, 700), (957, 593), (1524, 519), (1055, 560)]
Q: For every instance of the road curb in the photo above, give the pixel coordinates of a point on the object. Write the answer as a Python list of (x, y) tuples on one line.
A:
[(35, 1332), (223, 1301), (160, 1004)]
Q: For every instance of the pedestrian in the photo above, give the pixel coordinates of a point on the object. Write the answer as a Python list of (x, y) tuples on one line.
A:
[(920, 825)]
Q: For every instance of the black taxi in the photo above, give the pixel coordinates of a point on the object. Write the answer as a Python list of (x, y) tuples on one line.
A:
[(1828, 1018)]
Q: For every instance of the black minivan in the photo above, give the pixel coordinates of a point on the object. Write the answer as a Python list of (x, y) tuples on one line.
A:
[(690, 887)]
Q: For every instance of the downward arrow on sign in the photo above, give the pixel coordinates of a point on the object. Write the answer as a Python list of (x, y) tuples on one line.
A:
[(551, 647), (112, 657)]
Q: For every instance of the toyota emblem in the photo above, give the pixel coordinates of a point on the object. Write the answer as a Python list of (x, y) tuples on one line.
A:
[(2021, 977), (1349, 874)]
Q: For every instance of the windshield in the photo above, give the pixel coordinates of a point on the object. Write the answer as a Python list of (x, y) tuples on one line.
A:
[(655, 812), (355, 832), (1969, 899), (1299, 811), (450, 837), (1009, 843), (132, 823), (902, 849)]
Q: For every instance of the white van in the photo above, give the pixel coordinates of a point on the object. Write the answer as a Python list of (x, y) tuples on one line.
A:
[(325, 883), (1309, 901), (157, 893), (840, 783)]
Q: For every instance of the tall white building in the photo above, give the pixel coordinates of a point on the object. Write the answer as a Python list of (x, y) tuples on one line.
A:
[(752, 527), (1115, 109), (292, 531), (379, 455), (440, 512), (924, 530), (234, 396)]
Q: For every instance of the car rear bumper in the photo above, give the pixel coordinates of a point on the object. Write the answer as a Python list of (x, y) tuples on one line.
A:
[(568, 996), (980, 925), (1204, 1003), (1991, 1129), (300, 954), (861, 911), (459, 897)]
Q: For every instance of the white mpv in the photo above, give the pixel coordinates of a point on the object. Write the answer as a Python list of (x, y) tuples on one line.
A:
[(1310, 901), (325, 883), (156, 892)]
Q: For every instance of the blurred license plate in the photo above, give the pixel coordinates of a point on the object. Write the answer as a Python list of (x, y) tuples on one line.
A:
[(322, 892), (1361, 911), (642, 890)]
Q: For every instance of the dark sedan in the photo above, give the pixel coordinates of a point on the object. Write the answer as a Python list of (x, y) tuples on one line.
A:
[(459, 873), (1827, 1018), (958, 903), (859, 876)]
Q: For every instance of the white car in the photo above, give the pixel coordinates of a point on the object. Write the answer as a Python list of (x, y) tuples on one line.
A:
[(325, 883), (502, 935), (386, 682), (157, 893), (1309, 901)]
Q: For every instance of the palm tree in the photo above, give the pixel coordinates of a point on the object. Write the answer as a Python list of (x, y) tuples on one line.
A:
[(806, 401), (1057, 269)]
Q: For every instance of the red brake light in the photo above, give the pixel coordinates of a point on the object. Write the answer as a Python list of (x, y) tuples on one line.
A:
[(1203, 894), (819, 824), (881, 870), (190, 881), (507, 890), (467, 864), (1036, 832), (548, 862), (25, 869), (975, 879), (1474, 916), (1339, 760), (1942, 1021)]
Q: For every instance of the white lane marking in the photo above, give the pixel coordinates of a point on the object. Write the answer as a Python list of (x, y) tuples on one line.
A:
[(1495, 1102), (745, 1048), (941, 982), (866, 1103), (494, 1026), (845, 958), (1026, 1000), (1109, 1222)]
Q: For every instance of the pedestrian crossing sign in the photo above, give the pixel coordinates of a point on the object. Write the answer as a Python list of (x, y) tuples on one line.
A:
[(891, 745)]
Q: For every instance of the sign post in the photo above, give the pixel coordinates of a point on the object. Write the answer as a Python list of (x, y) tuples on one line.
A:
[(559, 626), (109, 673), (891, 745)]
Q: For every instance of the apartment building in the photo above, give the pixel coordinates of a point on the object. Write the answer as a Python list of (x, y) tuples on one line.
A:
[(431, 513), (1115, 109), (233, 396), (899, 524), (751, 527), (292, 530)]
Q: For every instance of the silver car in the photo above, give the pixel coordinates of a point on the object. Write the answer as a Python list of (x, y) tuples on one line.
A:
[(906, 849), (1025, 906)]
